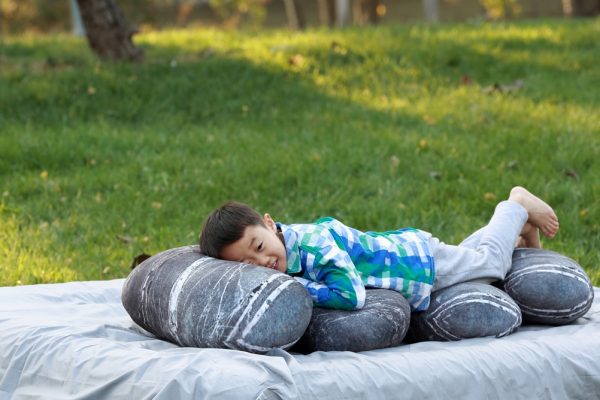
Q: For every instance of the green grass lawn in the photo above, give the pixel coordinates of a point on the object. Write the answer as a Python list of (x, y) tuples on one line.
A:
[(380, 127)]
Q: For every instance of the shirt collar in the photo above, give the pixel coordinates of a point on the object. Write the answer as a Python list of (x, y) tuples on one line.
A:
[(292, 252)]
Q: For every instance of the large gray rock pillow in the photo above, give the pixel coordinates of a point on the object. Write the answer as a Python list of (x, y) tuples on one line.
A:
[(185, 297), (382, 322), (466, 310), (548, 287)]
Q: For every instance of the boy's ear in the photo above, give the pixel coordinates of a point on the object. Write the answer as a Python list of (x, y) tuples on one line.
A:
[(269, 222)]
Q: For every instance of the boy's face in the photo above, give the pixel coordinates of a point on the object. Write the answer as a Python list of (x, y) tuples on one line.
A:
[(259, 245)]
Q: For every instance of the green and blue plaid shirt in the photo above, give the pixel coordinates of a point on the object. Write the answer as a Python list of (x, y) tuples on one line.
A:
[(335, 263)]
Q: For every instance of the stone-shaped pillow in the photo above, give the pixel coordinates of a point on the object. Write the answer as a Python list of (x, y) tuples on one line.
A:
[(382, 322), (185, 297), (548, 287), (466, 310)]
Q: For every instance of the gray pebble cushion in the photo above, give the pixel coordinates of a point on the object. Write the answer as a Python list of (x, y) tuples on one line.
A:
[(382, 322), (185, 297), (548, 287), (466, 310)]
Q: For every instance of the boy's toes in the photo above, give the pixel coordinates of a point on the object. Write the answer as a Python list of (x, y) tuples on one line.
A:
[(550, 229)]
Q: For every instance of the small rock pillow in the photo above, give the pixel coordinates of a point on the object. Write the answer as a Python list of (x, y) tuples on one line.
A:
[(466, 310), (382, 322), (185, 297), (548, 287)]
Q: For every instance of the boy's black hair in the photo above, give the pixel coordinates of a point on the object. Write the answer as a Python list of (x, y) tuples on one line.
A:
[(226, 225)]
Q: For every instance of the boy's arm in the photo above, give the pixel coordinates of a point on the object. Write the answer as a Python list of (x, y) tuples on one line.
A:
[(334, 281)]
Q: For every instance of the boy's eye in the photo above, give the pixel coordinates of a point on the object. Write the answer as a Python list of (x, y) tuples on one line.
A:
[(260, 246)]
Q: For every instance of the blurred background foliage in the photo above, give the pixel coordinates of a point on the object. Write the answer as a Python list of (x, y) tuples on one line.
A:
[(17, 16)]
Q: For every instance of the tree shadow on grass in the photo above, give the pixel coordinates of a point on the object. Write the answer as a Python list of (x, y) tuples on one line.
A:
[(568, 62), (176, 136), (170, 97), (176, 96), (192, 89)]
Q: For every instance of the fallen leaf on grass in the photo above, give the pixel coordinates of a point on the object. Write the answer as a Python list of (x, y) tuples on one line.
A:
[(572, 174), (429, 120), (207, 53), (124, 238), (510, 165), (489, 196), (278, 48), (338, 48), (435, 175), (501, 88), (137, 260), (296, 60)]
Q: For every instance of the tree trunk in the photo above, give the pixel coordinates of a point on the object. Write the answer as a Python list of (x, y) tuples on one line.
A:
[(581, 8), (107, 33), (327, 12), (431, 10), (342, 11), (76, 23), (295, 14), (365, 11)]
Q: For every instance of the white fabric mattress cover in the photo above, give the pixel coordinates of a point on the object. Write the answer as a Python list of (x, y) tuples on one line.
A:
[(76, 341)]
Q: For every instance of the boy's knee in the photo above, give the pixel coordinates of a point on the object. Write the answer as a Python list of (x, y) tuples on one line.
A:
[(497, 261)]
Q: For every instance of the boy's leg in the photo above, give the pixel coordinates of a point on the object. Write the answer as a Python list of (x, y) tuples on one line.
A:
[(529, 237), (473, 240), (491, 257), (523, 214)]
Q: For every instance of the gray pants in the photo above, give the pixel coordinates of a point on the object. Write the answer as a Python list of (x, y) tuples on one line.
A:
[(486, 255)]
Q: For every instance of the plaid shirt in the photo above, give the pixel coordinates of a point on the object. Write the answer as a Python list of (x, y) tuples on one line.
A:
[(335, 263)]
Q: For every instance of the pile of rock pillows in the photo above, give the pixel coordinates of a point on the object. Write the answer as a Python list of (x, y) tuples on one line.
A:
[(185, 297)]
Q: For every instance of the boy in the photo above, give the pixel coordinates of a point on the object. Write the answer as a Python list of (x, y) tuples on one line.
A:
[(335, 262)]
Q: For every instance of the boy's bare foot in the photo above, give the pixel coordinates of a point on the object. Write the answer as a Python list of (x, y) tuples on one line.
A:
[(530, 237), (541, 215)]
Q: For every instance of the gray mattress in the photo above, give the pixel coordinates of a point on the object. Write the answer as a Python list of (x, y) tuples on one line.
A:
[(75, 341)]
